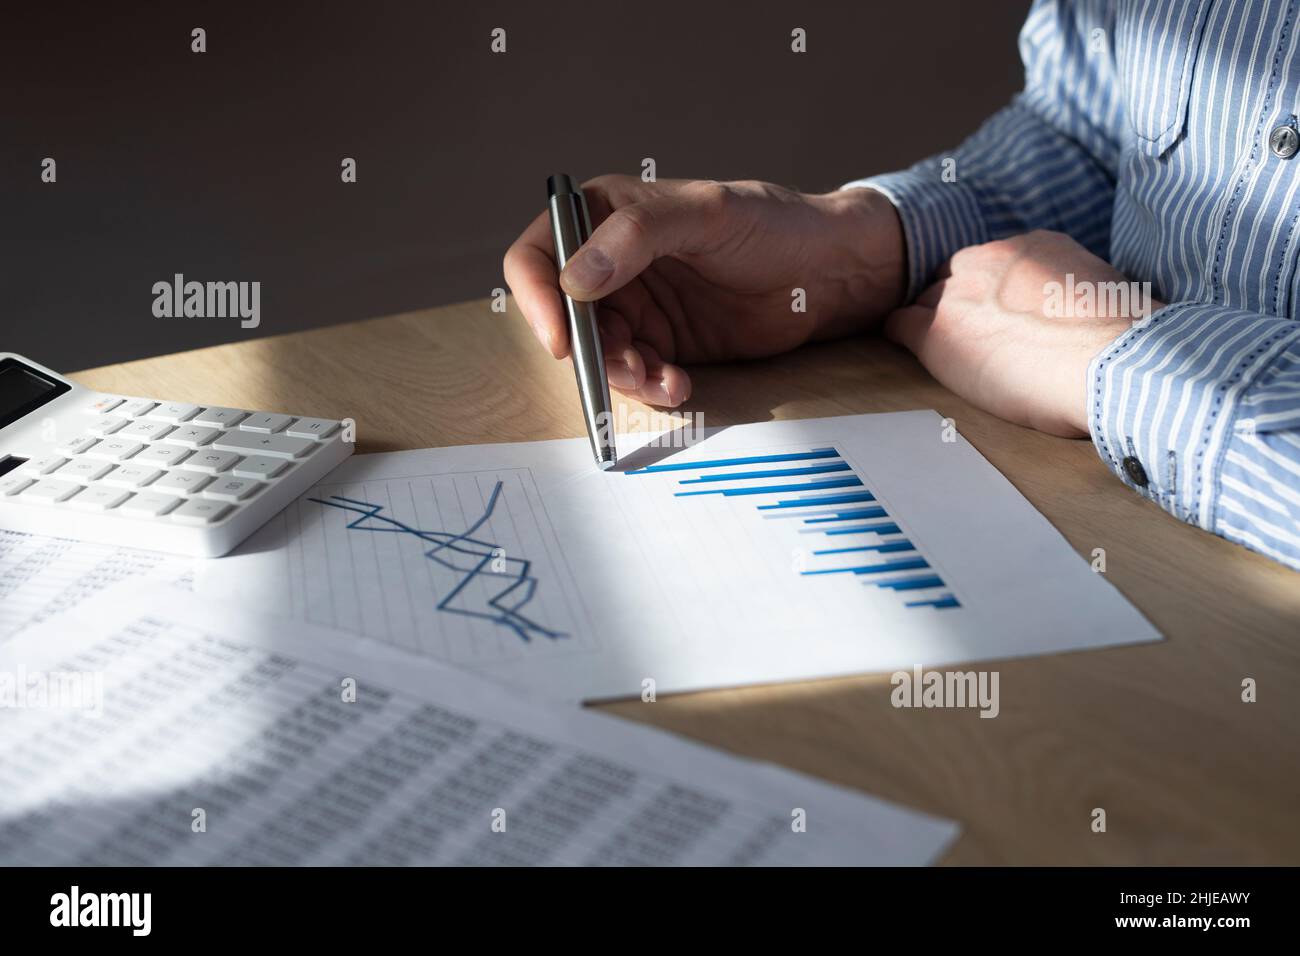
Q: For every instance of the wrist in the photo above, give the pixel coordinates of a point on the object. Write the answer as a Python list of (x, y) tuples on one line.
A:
[(867, 264), (1103, 336), (1100, 336)]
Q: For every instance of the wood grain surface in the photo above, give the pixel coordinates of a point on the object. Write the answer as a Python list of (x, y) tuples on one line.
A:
[(1157, 734)]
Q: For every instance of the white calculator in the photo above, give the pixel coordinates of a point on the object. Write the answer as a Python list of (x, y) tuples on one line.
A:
[(148, 473)]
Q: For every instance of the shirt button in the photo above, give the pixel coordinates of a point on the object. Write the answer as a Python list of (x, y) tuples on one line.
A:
[(1284, 141), (1136, 473)]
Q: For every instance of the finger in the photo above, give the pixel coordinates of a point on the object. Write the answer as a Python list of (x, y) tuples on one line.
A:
[(909, 328), (604, 194), (931, 296), (624, 366), (631, 238), (665, 384), (531, 274), (944, 271)]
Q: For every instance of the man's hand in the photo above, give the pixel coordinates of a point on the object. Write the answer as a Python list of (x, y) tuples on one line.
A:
[(705, 271), (990, 330)]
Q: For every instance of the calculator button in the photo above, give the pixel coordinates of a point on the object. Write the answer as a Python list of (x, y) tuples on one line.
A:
[(77, 445), (150, 504), (99, 498), (136, 407), (211, 462), (84, 470), (198, 511), (145, 430), (316, 428), (114, 449), (12, 484), (265, 423), (231, 489), (220, 417), (131, 475), (259, 466), (106, 425), (50, 490), (105, 404), (173, 412), (274, 446), (162, 454), (180, 482), (192, 436), (43, 466)]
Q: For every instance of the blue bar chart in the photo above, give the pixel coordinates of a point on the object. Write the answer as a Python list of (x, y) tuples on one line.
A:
[(840, 528)]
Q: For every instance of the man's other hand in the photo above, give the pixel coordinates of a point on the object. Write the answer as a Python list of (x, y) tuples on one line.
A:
[(1005, 329)]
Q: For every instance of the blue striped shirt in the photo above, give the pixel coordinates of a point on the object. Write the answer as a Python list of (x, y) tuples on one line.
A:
[(1144, 133)]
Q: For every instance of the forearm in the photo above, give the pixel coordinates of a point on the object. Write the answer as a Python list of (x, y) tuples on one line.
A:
[(1047, 161), (1014, 175)]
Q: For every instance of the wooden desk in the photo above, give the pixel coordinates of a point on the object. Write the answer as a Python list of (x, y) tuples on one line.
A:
[(1155, 734)]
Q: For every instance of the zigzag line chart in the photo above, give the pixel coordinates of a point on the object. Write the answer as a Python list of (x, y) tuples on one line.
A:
[(470, 558)]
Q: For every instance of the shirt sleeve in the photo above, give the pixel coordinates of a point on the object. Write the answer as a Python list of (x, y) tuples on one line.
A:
[(1047, 161), (1198, 408)]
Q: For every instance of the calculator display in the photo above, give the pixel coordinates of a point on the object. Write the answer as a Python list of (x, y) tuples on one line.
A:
[(23, 390)]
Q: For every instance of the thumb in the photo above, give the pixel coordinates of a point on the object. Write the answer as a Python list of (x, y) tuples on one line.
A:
[(627, 242)]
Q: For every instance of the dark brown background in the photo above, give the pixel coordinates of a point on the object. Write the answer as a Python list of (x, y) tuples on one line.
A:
[(225, 166)]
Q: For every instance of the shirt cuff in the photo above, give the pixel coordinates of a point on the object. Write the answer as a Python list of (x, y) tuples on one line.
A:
[(1164, 399), (938, 217)]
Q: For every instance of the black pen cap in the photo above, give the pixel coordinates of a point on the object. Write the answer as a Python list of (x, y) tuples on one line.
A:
[(560, 185)]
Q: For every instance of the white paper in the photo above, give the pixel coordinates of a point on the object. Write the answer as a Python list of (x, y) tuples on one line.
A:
[(625, 582), (42, 576), (215, 716)]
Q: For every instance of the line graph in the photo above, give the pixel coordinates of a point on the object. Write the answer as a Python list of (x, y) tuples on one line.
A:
[(463, 566), (483, 559)]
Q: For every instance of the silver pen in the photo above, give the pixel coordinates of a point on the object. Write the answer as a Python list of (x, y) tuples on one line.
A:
[(571, 227)]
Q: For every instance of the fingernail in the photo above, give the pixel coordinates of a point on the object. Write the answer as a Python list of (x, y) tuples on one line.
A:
[(656, 393), (588, 269), (620, 375)]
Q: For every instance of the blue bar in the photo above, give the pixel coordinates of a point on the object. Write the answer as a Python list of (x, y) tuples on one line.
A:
[(913, 584), (911, 564), (778, 473), (774, 489), (882, 548), (850, 515), (728, 462), (946, 601), (828, 500), (886, 528)]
